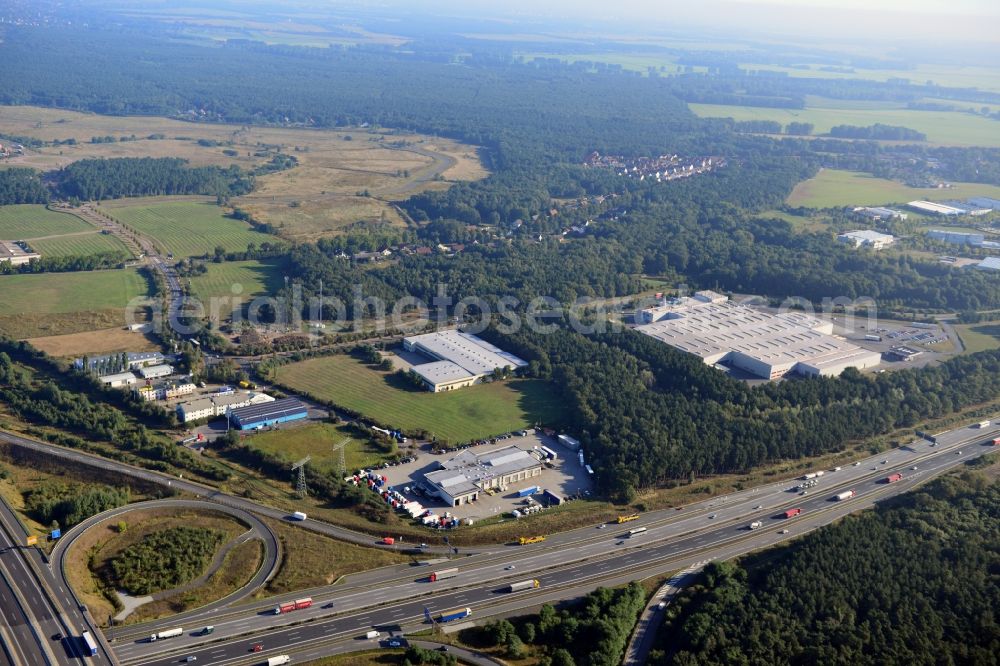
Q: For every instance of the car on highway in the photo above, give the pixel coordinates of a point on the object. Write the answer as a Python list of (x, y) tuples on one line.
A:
[(711, 516), (958, 453), (758, 507), (443, 648), (191, 658), (601, 526), (783, 532), (621, 543), (509, 567), (57, 637), (329, 605), (804, 492), (914, 468), (397, 642), (885, 462), (256, 647), (856, 464)]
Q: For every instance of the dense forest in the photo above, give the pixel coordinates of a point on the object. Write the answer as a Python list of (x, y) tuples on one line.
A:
[(592, 632), (97, 179), (22, 186), (878, 131), (619, 385), (911, 583), (57, 503)]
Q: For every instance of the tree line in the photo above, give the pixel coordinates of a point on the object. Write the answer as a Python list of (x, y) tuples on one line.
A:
[(912, 582)]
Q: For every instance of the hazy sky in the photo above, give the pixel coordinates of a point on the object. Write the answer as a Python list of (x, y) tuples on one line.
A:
[(951, 20)]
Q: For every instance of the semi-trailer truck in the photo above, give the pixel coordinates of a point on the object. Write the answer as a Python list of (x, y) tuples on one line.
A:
[(280, 660), (628, 518), (444, 573), (455, 615), (89, 644), (534, 539), (289, 606), (791, 513), (169, 633), (846, 495), (523, 585)]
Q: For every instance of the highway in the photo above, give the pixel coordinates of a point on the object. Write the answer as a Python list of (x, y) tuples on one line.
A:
[(40, 620), (258, 530), (587, 559)]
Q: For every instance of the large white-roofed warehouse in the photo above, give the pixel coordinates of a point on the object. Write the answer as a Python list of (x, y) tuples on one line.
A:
[(461, 359), (463, 477), (765, 345)]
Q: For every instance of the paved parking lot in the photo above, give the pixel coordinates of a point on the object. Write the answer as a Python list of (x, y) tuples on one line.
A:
[(565, 477)]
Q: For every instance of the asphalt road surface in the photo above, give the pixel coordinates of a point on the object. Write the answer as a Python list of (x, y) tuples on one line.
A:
[(605, 557), (40, 622)]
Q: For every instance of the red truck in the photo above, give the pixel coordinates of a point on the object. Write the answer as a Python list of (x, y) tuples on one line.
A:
[(289, 606), (996, 441), (791, 513), (388, 541), (892, 478)]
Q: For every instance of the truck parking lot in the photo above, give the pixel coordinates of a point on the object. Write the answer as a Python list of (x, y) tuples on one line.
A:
[(563, 476)]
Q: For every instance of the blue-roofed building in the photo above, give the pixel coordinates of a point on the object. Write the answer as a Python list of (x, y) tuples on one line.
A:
[(268, 414)]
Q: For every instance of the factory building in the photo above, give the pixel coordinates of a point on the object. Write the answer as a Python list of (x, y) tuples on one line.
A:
[(268, 414), (866, 238), (956, 237), (119, 380), (932, 208), (17, 253), (671, 305), (765, 345), (156, 371), (463, 477), (879, 214), (133, 360), (460, 359), (219, 404), (989, 264)]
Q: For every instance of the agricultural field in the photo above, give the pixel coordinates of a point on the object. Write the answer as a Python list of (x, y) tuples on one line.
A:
[(61, 303), (833, 188), (24, 221), (244, 280), (185, 226), (943, 128), (54, 234), (457, 416), (319, 197), (105, 341), (318, 440), (979, 337), (78, 245)]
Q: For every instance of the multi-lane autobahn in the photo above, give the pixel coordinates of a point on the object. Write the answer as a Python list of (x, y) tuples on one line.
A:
[(40, 620), (568, 564)]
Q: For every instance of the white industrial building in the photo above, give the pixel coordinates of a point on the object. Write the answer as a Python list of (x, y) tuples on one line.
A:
[(936, 208), (16, 253), (156, 371), (989, 264), (463, 477), (876, 213), (119, 380), (956, 237), (461, 359), (765, 345), (671, 305), (866, 238)]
